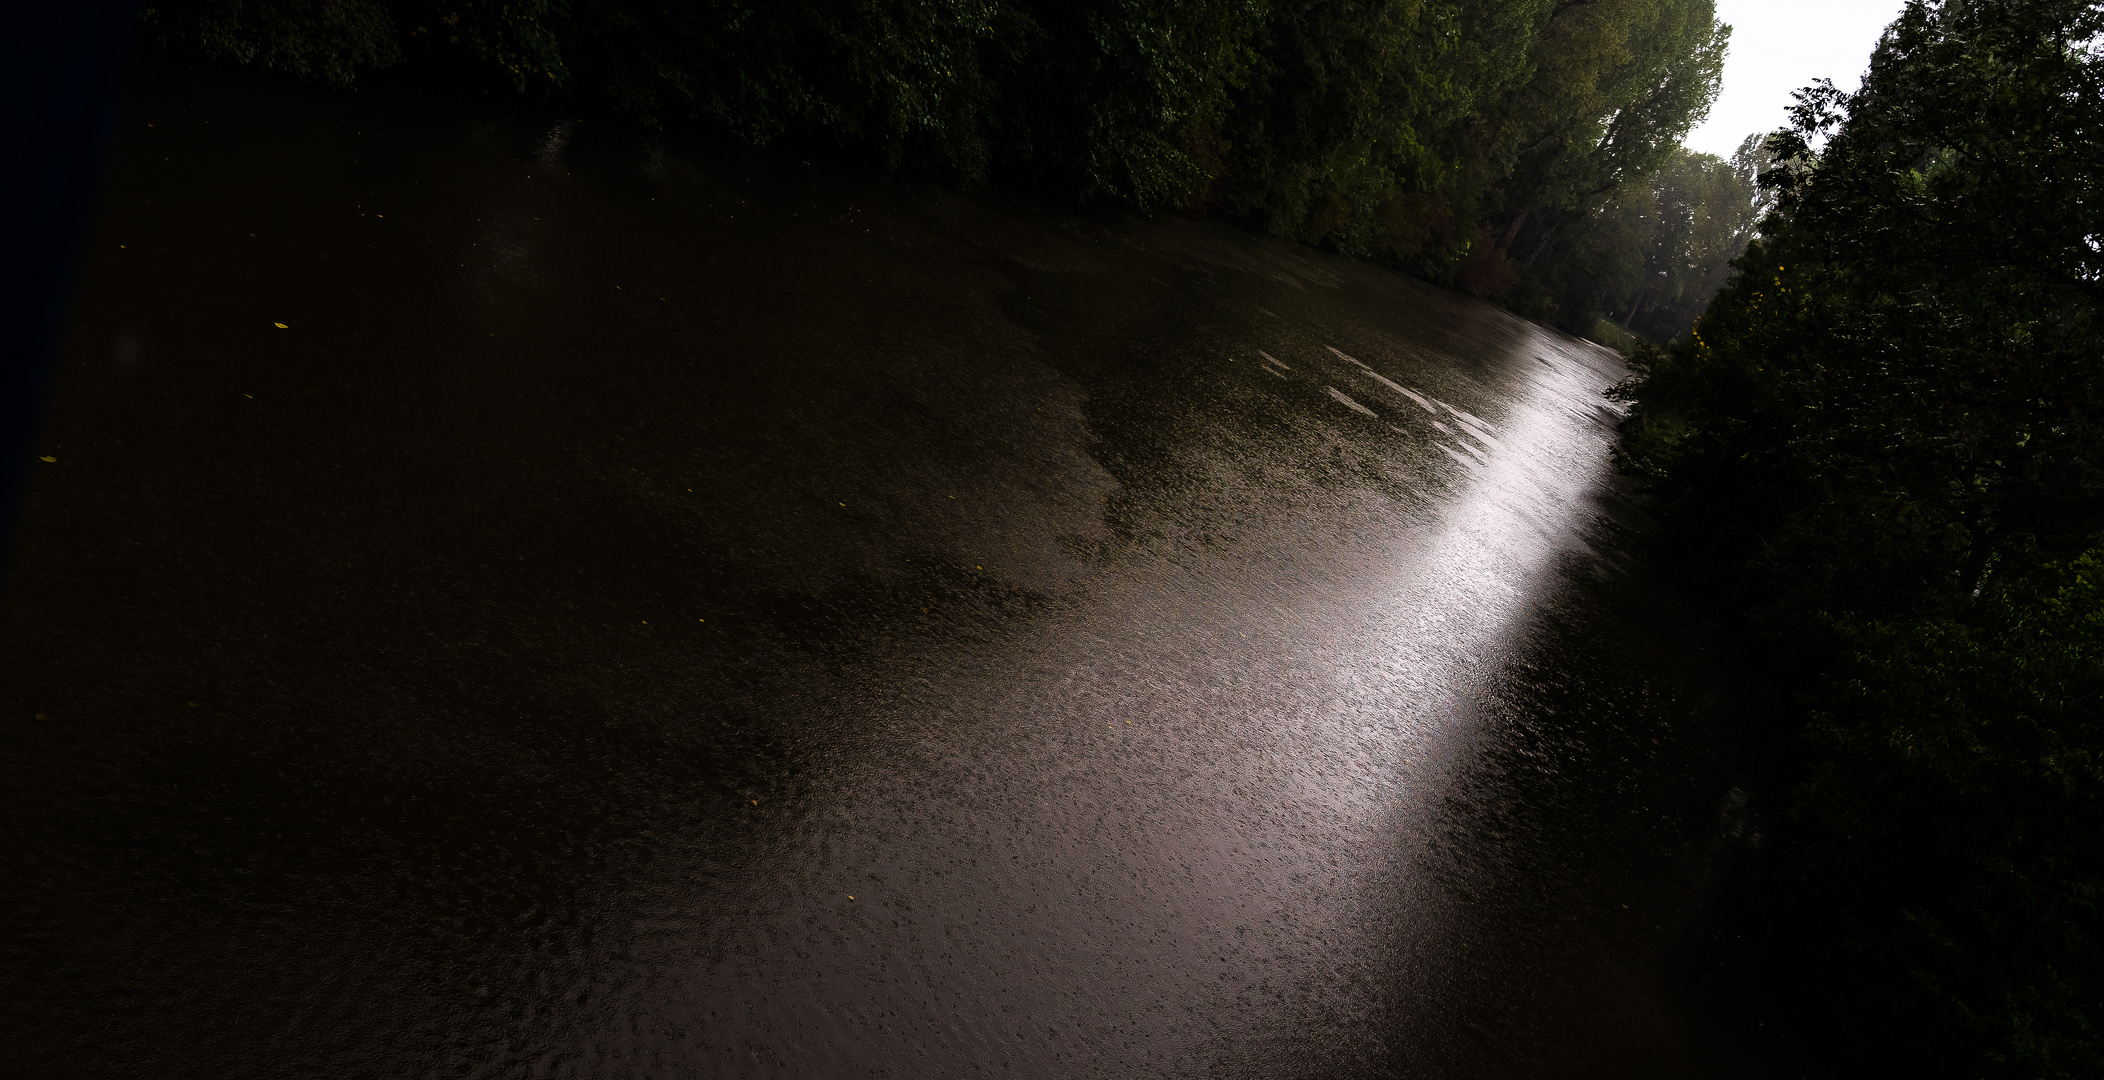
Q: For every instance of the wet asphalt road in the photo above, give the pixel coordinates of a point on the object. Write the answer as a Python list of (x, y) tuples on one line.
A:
[(680, 612)]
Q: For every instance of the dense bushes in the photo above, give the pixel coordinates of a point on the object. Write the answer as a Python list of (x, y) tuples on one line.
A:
[(329, 42), (1463, 139), (1952, 826), (1882, 442), (1460, 139)]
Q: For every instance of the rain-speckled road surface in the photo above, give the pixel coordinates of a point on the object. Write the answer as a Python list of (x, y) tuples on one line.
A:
[(515, 600)]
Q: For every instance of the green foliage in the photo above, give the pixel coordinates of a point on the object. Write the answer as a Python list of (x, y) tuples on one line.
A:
[(1440, 134), (1434, 134), (1954, 806), (1656, 254), (1613, 88), (1618, 86), (1330, 137), (898, 77), (1882, 442), (1905, 365), (326, 41), (520, 37)]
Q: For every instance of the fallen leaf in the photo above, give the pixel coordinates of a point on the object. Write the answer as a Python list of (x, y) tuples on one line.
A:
[(281, 326), (50, 459)]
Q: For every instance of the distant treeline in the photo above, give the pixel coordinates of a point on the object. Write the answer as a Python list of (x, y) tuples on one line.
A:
[(1884, 445), (1474, 142), (1661, 248)]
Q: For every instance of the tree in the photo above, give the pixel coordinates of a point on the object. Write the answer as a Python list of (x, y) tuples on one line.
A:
[(1694, 219), (1470, 141), (1881, 442)]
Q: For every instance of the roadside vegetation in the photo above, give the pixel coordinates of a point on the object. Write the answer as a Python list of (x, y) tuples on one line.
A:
[(1507, 147), (1657, 252), (1882, 445)]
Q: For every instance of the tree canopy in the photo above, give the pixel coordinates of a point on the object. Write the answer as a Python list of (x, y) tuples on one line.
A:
[(1654, 254), (1882, 443), (1465, 140)]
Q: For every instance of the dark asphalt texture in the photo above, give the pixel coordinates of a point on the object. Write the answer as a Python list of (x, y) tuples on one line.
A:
[(661, 610)]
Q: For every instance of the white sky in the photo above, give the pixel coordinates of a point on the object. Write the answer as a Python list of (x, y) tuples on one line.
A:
[(1780, 45)]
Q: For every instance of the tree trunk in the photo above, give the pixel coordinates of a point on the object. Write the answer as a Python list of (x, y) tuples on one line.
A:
[(1638, 305), (1513, 233), (1542, 245)]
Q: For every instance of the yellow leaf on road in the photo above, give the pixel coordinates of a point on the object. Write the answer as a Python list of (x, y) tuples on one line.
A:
[(281, 326), (50, 459)]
